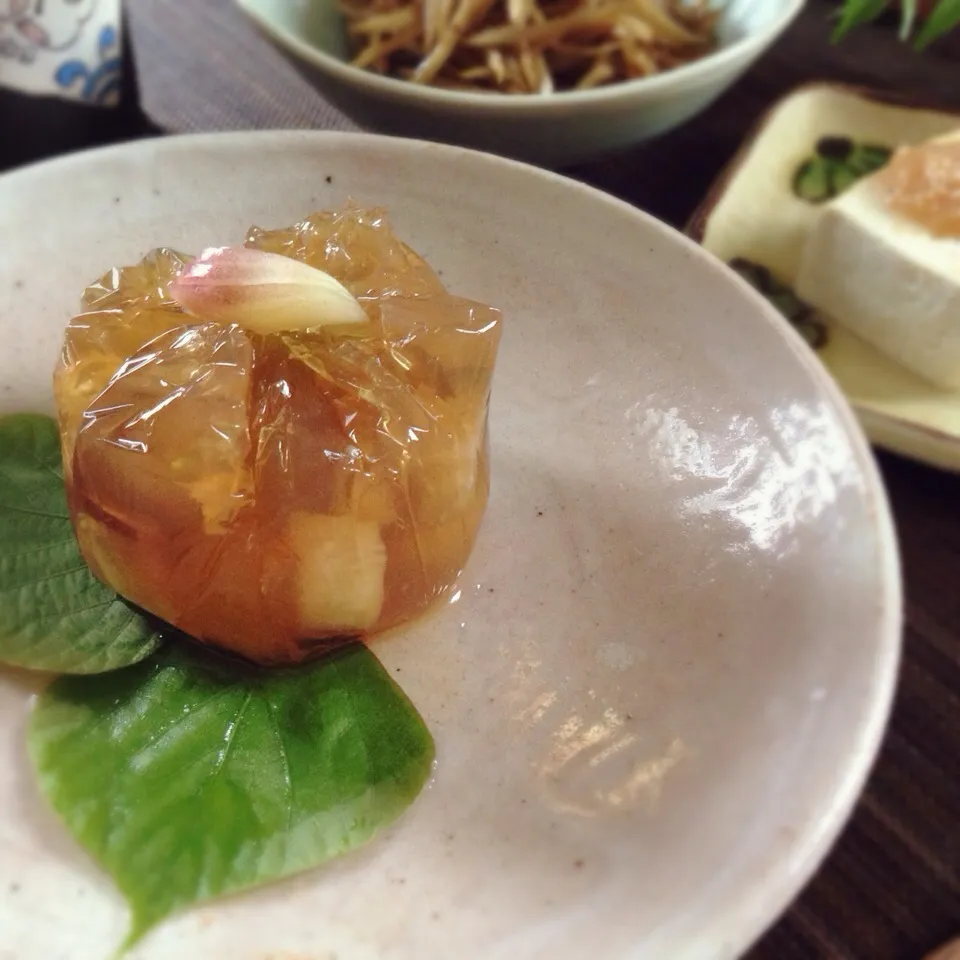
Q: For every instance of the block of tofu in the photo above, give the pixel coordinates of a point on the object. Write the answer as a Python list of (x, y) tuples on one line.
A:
[(887, 278)]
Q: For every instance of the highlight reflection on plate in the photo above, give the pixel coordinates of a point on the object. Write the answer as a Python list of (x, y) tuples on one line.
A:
[(671, 658)]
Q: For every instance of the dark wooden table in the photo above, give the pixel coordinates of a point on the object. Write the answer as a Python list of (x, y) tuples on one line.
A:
[(891, 888)]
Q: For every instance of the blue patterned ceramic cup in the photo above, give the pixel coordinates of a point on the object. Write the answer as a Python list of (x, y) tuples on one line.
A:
[(62, 48)]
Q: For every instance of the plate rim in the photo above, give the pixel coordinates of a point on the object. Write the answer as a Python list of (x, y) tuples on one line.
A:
[(762, 904)]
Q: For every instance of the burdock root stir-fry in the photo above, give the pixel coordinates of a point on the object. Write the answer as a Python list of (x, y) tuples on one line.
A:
[(526, 46)]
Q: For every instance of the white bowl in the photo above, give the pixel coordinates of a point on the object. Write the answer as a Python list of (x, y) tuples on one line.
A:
[(551, 130), (670, 666)]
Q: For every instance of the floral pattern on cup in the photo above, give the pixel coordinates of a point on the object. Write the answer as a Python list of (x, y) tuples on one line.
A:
[(64, 48), (837, 163), (97, 82), (808, 323)]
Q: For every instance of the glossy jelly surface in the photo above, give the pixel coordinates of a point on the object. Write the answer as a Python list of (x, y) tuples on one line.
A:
[(270, 494)]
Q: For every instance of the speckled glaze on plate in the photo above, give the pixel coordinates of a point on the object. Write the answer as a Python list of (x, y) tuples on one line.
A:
[(757, 216), (661, 687)]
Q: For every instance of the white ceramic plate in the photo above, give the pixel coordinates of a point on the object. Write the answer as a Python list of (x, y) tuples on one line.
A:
[(760, 211), (667, 675)]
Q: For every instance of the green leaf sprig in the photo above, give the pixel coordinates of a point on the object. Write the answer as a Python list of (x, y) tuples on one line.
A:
[(184, 774), (187, 778), (943, 18), (54, 614)]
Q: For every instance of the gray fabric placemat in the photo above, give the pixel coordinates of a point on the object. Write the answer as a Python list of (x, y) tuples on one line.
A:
[(202, 65)]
